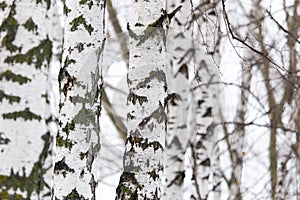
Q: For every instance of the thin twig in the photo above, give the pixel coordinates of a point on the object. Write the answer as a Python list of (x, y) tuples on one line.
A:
[(282, 28)]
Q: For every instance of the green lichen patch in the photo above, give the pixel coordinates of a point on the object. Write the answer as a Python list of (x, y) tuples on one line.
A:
[(205, 162), (3, 141), (208, 112), (71, 61), (135, 133), (150, 126), (138, 24), (61, 167), (3, 5), (79, 47), (85, 117), (89, 3), (50, 119), (123, 192), (159, 115), (78, 99), (60, 105), (156, 145), (61, 142), (68, 127), (182, 126), (10, 25), (30, 25), (200, 145), (159, 75), (64, 76), (37, 55), (66, 10), (14, 181), (153, 174), (48, 2), (143, 143), (2, 178), (173, 99), (69, 84), (133, 98), (74, 195), (11, 99), (151, 30), (83, 155), (6, 196), (130, 116), (10, 76), (81, 2), (31, 183), (26, 114), (156, 28), (46, 97), (131, 33), (81, 21), (155, 74), (128, 187)]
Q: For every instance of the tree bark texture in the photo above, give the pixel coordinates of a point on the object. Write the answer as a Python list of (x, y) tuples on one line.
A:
[(26, 53), (80, 82), (179, 58), (145, 143)]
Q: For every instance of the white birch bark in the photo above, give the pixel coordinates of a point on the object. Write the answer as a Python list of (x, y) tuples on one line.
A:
[(237, 151), (204, 143), (143, 157), (205, 150), (179, 56), (80, 79), (25, 138), (213, 37)]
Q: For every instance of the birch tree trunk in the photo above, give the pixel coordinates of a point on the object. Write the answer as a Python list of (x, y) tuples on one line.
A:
[(144, 147), (205, 150), (25, 138), (204, 143), (179, 56), (286, 174), (237, 151), (80, 79)]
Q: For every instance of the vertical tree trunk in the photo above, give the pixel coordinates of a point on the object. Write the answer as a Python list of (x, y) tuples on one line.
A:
[(286, 179), (143, 157), (236, 146), (80, 79), (25, 138), (275, 108), (205, 140), (179, 56), (205, 150)]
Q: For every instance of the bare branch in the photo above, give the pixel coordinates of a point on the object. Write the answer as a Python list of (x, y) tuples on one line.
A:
[(282, 28)]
